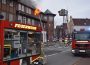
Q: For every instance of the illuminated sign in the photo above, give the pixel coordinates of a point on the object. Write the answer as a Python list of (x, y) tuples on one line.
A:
[(25, 27)]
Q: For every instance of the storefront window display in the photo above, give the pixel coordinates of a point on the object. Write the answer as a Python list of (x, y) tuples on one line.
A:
[(18, 43)]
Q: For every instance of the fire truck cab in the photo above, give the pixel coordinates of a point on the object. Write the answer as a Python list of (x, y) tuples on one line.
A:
[(81, 42)]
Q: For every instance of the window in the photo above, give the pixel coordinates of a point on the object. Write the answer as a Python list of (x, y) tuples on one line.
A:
[(24, 20), (45, 17), (18, 43), (29, 21), (33, 22), (19, 18), (4, 1), (10, 17), (37, 23), (19, 7), (33, 40), (51, 18), (4, 15), (29, 11), (22, 8), (10, 51), (11, 4), (44, 25), (82, 36)]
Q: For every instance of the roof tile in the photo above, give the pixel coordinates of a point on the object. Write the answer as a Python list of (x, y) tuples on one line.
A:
[(81, 22)]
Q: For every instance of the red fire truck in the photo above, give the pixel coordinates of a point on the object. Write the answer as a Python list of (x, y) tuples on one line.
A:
[(20, 44), (81, 42)]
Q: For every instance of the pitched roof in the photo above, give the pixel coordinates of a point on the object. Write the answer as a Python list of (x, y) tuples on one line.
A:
[(29, 3), (81, 22), (48, 12)]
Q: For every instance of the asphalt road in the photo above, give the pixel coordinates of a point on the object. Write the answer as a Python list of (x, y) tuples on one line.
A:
[(60, 56)]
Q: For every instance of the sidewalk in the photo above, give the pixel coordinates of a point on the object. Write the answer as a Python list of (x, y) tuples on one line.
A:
[(54, 43)]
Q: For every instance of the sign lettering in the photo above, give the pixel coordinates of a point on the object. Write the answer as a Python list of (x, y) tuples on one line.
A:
[(25, 27)]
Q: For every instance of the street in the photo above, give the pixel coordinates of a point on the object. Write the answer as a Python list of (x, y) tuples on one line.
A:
[(62, 56)]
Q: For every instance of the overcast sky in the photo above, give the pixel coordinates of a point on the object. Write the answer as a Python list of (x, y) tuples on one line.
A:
[(76, 8)]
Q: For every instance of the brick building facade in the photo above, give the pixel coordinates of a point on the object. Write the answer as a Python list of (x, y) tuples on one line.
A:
[(23, 12), (50, 25)]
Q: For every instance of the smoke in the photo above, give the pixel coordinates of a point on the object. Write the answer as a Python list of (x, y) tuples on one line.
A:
[(32, 3)]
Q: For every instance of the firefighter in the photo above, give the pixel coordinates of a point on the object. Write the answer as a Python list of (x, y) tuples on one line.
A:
[(66, 41)]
